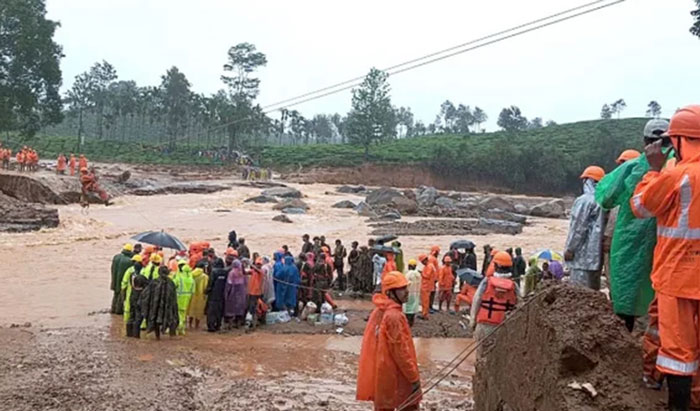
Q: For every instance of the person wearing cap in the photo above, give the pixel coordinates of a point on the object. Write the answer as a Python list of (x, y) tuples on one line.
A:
[(126, 284), (413, 278), (495, 296), (446, 283), (632, 241), (185, 285), (427, 285), (120, 263), (388, 368), (672, 196), (151, 269), (584, 243), (198, 304)]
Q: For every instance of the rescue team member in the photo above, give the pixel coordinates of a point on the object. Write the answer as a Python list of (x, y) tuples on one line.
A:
[(388, 368), (185, 290), (584, 243), (127, 285), (61, 164), (414, 287), (433, 258), (88, 183), (427, 285), (446, 282), (495, 296), (673, 197), (71, 164), (120, 264)]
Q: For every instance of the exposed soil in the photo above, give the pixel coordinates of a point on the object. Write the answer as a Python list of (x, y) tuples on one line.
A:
[(18, 216), (566, 334), (447, 227)]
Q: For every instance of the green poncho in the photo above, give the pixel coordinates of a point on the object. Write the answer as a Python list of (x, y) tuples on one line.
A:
[(632, 248)]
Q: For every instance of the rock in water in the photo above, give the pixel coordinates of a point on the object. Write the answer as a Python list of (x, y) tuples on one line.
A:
[(390, 216), (344, 204), (550, 209), (497, 202), (291, 203), (388, 197), (261, 199), (365, 210), (282, 218), (445, 202), (351, 189), (500, 226), (427, 196), (18, 216), (284, 192), (293, 210)]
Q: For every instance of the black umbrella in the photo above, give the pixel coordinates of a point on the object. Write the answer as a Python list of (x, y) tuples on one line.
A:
[(386, 238), (160, 239), (465, 244), (384, 249), (470, 276)]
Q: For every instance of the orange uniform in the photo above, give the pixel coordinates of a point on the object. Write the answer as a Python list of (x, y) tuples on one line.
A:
[(388, 367), (466, 294), (61, 164), (390, 264), (71, 165), (255, 283), (89, 184), (427, 286), (498, 298), (673, 197), (82, 162)]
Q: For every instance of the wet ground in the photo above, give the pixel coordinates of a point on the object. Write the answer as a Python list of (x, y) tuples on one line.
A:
[(70, 354)]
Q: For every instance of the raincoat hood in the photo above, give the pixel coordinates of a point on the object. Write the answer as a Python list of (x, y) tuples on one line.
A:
[(381, 301), (289, 260), (589, 186), (236, 273)]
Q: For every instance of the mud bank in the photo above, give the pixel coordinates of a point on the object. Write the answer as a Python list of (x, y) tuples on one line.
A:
[(567, 334), (464, 227)]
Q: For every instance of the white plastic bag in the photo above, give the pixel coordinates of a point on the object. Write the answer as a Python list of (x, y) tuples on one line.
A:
[(310, 308), (326, 308), (340, 320)]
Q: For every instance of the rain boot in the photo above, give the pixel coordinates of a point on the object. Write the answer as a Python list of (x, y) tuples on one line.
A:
[(679, 392)]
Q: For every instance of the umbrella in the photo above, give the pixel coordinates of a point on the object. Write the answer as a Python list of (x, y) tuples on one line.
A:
[(384, 249), (160, 239), (547, 254), (472, 277), (557, 270), (462, 244), (386, 238)]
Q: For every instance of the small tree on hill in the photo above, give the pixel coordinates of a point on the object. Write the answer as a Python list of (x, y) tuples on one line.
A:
[(618, 106), (536, 122), (606, 112), (695, 28), (550, 123), (372, 118), (653, 109), (511, 119), (479, 116)]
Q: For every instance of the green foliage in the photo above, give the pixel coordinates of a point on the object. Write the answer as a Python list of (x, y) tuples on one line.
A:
[(695, 28), (545, 160), (511, 119), (654, 108), (30, 75), (372, 118)]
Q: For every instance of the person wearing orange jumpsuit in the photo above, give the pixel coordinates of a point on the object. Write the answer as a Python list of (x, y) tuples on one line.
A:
[(20, 160), (388, 368), (82, 162), (446, 282), (672, 195), (427, 285), (61, 164), (466, 295), (88, 183), (71, 165), (433, 259), (390, 264)]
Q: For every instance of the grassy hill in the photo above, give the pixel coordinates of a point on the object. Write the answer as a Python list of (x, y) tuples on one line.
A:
[(546, 160)]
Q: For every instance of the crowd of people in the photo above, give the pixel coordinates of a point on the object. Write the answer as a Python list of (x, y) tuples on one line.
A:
[(27, 158)]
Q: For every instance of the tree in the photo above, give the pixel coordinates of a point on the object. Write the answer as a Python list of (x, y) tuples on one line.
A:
[(339, 124), (618, 106), (550, 123), (404, 119), (419, 129), (101, 75), (30, 76), (511, 119), (606, 112), (447, 115), (372, 117), (463, 119), (695, 28), (321, 128), (176, 96), (536, 122), (79, 101), (653, 109), (479, 117)]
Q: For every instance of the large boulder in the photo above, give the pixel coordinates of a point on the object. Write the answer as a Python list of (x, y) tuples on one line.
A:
[(282, 218), (549, 209), (351, 189), (365, 210), (404, 205), (388, 197), (392, 215), (504, 215), (501, 203), (445, 202), (284, 192), (500, 226), (521, 209), (426, 196), (344, 204), (291, 203), (261, 199), (293, 210)]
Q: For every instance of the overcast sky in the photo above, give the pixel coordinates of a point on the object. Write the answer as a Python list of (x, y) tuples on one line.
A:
[(639, 50)]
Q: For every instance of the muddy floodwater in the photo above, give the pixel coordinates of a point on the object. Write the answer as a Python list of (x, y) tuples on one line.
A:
[(56, 293)]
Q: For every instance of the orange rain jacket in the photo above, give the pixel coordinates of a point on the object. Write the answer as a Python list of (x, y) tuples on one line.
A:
[(446, 279), (390, 264), (388, 366), (61, 164)]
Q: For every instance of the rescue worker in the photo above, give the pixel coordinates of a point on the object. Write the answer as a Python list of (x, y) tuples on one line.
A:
[(151, 270), (433, 259), (61, 164), (185, 290), (339, 255), (159, 304), (672, 195), (88, 182), (532, 276), (215, 296), (120, 263), (633, 240), (390, 264), (519, 266), (427, 285), (133, 323), (584, 244), (413, 278), (631, 154), (196, 310), (255, 289), (82, 162), (487, 259), (71, 165), (466, 295), (126, 284), (446, 282), (388, 369), (20, 160), (495, 296)]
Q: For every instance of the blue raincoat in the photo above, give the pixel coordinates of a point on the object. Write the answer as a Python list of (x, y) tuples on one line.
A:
[(280, 274), (293, 277)]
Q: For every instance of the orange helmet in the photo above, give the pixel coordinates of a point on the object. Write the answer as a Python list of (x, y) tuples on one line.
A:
[(231, 251), (393, 280), (447, 259), (685, 123), (503, 259), (594, 173), (434, 249), (627, 155)]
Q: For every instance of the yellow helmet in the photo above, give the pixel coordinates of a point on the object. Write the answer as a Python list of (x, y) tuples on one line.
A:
[(128, 247), (156, 258), (137, 257), (412, 261)]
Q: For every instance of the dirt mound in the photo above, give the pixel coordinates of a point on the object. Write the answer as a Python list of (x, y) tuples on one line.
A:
[(567, 334), (16, 216), (478, 226), (28, 189)]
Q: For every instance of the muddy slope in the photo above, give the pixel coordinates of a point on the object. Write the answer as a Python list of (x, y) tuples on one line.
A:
[(567, 334), (17, 216)]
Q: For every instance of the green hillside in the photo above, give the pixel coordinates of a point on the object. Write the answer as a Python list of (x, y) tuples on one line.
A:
[(545, 160)]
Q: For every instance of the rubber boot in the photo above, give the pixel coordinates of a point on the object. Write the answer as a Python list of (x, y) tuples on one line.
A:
[(679, 392), (129, 329)]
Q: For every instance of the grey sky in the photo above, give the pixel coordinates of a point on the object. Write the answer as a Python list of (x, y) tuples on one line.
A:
[(639, 50)]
